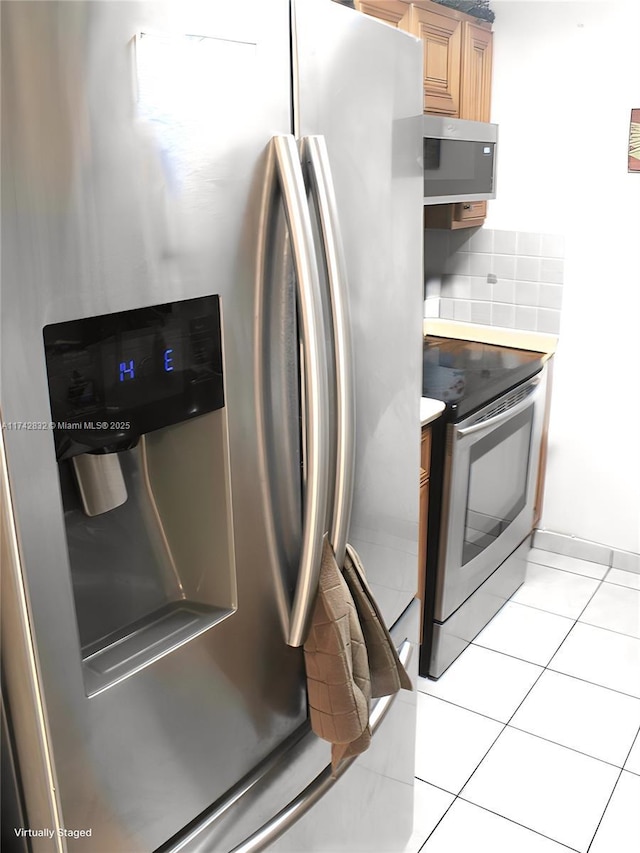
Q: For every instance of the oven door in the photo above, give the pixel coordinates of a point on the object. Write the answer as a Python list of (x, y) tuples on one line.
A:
[(490, 478)]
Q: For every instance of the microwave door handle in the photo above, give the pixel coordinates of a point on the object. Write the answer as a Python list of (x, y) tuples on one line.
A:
[(315, 158), (316, 393), (492, 423)]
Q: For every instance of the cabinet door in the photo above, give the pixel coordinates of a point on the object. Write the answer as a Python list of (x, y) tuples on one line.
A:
[(442, 43), (393, 12), (475, 87), (469, 213)]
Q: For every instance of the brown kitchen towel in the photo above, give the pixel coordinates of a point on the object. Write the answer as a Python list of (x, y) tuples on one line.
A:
[(337, 665), (387, 673)]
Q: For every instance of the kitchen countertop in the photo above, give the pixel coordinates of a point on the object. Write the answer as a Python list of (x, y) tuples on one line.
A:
[(533, 341), (430, 410)]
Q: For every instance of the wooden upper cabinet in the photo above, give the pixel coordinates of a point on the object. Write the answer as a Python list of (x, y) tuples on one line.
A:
[(457, 54), (393, 12), (457, 77), (475, 89), (442, 43)]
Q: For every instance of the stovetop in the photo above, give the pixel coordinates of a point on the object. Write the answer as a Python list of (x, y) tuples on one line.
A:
[(466, 375)]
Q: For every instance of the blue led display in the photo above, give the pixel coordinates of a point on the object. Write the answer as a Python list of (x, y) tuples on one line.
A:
[(127, 372), (168, 361)]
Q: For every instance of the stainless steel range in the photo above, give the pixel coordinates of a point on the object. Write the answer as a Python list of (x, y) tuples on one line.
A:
[(484, 471)]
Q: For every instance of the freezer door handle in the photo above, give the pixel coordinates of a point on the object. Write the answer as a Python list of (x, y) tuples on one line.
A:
[(323, 782), (315, 159), (287, 167)]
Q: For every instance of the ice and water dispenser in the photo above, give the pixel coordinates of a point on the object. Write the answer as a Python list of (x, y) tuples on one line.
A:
[(137, 404)]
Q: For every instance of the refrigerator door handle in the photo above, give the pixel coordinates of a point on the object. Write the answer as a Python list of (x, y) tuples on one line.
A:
[(322, 784), (315, 158), (284, 163)]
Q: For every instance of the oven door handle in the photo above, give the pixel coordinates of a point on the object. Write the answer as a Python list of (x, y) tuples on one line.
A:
[(502, 417)]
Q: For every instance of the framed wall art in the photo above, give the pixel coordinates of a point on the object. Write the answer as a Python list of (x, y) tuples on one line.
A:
[(634, 142)]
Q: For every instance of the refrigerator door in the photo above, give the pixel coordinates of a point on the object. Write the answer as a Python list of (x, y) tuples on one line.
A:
[(293, 802), (134, 147), (357, 83)]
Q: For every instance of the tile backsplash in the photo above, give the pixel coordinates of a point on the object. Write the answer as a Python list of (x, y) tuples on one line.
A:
[(497, 278)]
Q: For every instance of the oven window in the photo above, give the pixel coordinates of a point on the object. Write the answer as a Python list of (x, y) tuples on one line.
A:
[(498, 479)]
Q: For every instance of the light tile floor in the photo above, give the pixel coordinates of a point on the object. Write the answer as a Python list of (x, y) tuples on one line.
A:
[(530, 742)]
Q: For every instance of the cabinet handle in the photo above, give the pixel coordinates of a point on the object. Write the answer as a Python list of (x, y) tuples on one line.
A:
[(466, 207)]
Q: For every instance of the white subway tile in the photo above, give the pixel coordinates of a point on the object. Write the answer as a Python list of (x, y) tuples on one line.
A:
[(548, 321), (458, 264), (504, 266), (462, 310), (481, 312), (550, 296), (552, 246), (528, 269), (526, 318), (432, 306), (461, 287), (481, 288), (482, 241), (480, 264), (446, 308), (446, 287), (460, 241), (503, 315), (433, 286), (552, 270), (526, 293), (504, 242), (528, 244), (504, 291)]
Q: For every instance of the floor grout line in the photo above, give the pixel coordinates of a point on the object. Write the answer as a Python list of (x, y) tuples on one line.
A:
[(543, 669), (570, 572), (422, 846), (572, 618), (633, 743), (550, 612), (564, 746), (517, 823), (604, 811), (576, 620), (610, 630), (465, 708), (622, 585), (525, 731), (513, 657), (594, 683)]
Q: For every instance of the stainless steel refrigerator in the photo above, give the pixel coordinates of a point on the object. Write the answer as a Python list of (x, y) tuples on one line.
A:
[(211, 359)]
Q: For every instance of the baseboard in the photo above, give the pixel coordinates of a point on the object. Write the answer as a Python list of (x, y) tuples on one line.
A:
[(583, 549)]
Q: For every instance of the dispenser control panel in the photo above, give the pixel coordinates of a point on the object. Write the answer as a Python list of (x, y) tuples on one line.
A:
[(115, 377)]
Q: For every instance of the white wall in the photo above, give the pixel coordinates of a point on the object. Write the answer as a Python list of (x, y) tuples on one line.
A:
[(566, 75)]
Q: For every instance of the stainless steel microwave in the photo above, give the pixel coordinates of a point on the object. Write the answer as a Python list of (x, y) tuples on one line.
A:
[(459, 160)]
